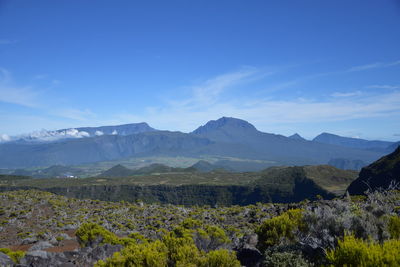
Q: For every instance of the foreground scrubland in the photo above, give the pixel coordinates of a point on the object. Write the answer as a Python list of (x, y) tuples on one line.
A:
[(43, 229)]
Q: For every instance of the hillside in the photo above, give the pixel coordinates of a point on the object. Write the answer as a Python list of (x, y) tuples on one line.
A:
[(223, 138), (379, 174), (46, 229), (276, 184), (358, 143)]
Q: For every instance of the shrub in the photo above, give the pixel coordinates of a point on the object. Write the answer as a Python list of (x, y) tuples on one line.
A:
[(394, 227), (92, 232), (283, 227), (352, 251), (219, 258), (283, 259), (16, 256), (147, 255)]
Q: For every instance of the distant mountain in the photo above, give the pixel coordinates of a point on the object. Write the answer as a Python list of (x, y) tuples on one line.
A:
[(205, 166), (296, 136), (379, 174), (119, 171), (347, 164), (100, 148), (55, 171), (277, 148), (82, 132), (393, 147), (125, 129), (332, 139), (226, 138)]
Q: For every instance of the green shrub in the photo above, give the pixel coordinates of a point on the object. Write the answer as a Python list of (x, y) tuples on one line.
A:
[(16, 256), (394, 226), (283, 259), (219, 258), (272, 231), (89, 232), (356, 252), (147, 255)]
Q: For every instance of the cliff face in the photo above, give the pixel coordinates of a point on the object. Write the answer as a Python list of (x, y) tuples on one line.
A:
[(301, 189), (379, 174)]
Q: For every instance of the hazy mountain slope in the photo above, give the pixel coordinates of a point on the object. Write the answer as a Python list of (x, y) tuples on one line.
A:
[(125, 129), (101, 148), (347, 164), (379, 174), (226, 137), (297, 137), (277, 147), (55, 171), (333, 139), (117, 171)]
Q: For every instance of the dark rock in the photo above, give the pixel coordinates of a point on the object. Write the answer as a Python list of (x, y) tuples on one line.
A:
[(379, 174), (5, 260)]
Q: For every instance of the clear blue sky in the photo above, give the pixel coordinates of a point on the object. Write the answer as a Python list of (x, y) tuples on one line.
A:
[(285, 66)]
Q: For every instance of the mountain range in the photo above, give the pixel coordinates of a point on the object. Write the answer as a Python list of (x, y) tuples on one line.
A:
[(224, 138)]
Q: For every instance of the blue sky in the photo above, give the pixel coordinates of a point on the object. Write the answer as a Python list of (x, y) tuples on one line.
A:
[(285, 66)]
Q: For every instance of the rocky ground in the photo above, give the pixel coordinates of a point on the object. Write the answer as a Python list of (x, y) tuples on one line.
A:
[(43, 226)]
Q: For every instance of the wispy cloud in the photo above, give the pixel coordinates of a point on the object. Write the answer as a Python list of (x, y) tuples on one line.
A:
[(10, 93), (341, 106), (348, 94), (383, 86), (7, 41), (76, 114), (375, 65)]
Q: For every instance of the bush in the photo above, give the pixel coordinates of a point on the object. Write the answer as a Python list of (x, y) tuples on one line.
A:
[(147, 255), (352, 251), (283, 259), (394, 227), (16, 256), (283, 227), (89, 233), (219, 258)]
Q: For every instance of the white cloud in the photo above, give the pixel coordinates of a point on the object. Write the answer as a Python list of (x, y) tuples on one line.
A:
[(349, 94), (9, 93), (75, 114), (4, 138), (186, 114), (383, 86), (375, 65), (99, 133)]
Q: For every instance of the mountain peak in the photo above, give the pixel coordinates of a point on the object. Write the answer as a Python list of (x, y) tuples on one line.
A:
[(225, 122), (296, 136)]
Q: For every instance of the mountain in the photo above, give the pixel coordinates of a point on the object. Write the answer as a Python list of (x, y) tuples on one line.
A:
[(117, 171), (347, 164), (332, 139), (55, 171), (381, 173), (99, 148), (296, 136), (205, 166), (225, 138), (82, 132), (125, 129), (277, 148)]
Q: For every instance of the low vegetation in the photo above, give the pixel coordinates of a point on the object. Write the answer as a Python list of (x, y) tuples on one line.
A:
[(357, 231)]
